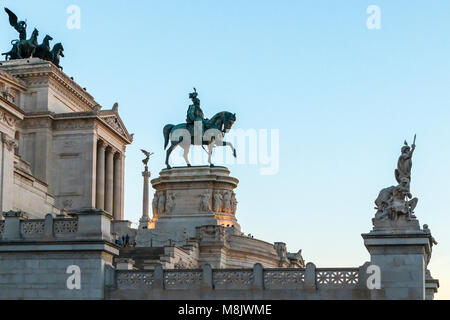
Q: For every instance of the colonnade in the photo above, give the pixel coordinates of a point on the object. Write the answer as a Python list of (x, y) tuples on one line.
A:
[(109, 187)]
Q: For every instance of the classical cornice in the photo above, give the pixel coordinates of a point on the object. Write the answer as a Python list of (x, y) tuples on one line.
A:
[(11, 108), (77, 121), (38, 72), (11, 80)]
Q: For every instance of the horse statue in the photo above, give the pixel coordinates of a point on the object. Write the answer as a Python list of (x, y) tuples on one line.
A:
[(56, 54), (23, 49), (181, 135), (43, 50)]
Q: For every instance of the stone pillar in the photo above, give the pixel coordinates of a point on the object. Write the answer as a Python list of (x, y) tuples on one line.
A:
[(400, 250), (109, 181), (7, 145), (145, 201), (12, 225), (117, 198), (100, 187)]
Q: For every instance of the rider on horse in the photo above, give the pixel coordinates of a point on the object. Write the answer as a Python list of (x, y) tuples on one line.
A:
[(195, 113)]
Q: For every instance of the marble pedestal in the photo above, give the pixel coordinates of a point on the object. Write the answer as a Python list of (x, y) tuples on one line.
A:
[(401, 249), (187, 198)]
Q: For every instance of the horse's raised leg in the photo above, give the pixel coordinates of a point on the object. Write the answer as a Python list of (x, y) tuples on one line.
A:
[(169, 152), (210, 151), (186, 155), (232, 148)]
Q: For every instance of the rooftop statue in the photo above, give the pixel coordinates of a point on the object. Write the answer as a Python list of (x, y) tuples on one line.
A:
[(397, 201), (147, 157), (198, 131), (24, 48), (20, 26)]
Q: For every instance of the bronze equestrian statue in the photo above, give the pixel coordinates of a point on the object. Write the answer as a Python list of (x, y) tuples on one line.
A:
[(199, 131)]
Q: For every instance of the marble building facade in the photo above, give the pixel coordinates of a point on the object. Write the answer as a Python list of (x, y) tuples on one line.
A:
[(72, 149)]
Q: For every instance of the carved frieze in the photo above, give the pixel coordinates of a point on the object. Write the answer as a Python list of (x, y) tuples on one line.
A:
[(8, 119), (74, 124), (37, 123)]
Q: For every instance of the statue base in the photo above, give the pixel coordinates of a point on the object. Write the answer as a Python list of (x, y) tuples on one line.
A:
[(188, 198), (401, 224)]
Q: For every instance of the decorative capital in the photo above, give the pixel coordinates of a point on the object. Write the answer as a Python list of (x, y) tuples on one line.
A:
[(146, 174), (10, 143)]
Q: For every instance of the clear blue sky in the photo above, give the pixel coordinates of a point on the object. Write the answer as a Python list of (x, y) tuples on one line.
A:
[(343, 97)]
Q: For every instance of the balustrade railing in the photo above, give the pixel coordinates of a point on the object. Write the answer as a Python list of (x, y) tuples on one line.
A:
[(241, 279)]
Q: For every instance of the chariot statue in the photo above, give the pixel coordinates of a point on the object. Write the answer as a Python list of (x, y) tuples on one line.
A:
[(24, 48), (199, 131)]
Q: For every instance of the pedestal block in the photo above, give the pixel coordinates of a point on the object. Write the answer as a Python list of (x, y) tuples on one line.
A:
[(401, 249), (190, 197)]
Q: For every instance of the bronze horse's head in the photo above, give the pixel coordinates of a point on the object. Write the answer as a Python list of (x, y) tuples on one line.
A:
[(59, 49), (48, 38), (229, 121)]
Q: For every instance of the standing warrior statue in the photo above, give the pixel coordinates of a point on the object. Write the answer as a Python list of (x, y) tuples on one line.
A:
[(195, 112), (404, 165), (397, 201)]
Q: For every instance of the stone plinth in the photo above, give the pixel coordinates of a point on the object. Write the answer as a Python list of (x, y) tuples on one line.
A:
[(190, 197), (401, 249)]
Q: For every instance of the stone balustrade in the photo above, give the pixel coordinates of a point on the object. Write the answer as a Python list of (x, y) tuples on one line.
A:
[(87, 225), (310, 282)]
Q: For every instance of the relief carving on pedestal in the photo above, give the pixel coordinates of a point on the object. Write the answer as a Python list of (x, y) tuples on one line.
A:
[(155, 205), (170, 204), (205, 202), (227, 196), (218, 202), (223, 202), (161, 203), (234, 203)]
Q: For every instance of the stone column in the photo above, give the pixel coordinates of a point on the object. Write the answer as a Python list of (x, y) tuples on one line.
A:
[(7, 145), (117, 210), (109, 181), (100, 187), (145, 202)]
